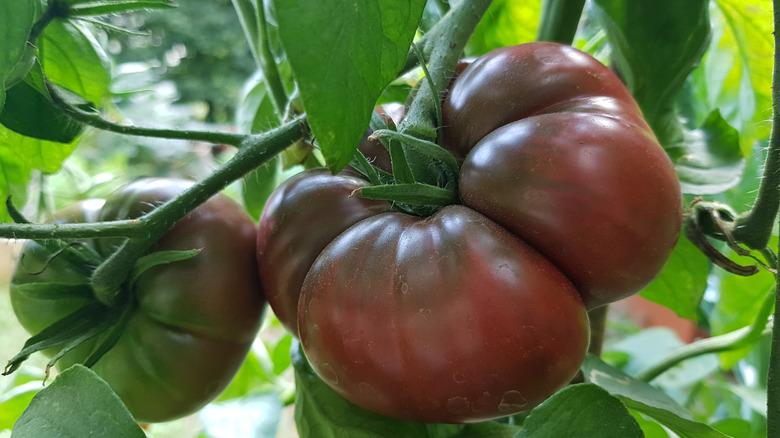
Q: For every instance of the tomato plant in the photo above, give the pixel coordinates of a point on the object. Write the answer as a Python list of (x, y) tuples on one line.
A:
[(193, 320), (531, 176)]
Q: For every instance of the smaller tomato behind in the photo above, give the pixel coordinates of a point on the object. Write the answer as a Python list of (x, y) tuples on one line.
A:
[(299, 219)]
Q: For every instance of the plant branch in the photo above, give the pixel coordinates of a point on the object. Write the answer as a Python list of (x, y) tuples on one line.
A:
[(717, 344), (94, 119), (254, 151), (559, 20), (754, 228), (443, 46), (55, 9), (125, 228)]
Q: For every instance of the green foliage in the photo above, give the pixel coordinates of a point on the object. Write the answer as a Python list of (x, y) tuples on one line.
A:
[(77, 394), (342, 73), (700, 70)]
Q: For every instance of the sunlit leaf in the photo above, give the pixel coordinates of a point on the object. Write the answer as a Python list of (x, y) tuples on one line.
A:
[(342, 71), (506, 23), (72, 58), (736, 73)]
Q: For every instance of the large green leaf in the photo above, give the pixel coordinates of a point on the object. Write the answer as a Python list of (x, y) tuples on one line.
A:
[(72, 58), (655, 46), (646, 399), (77, 403), (16, 22), (580, 411), (682, 283), (736, 73), (343, 54)]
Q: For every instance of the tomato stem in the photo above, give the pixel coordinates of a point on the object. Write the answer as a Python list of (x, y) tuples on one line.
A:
[(559, 20), (717, 344), (255, 150), (95, 120), (443, 46)]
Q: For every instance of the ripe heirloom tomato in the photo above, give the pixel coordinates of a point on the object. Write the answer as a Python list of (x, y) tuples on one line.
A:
[(479, 310), (195, 319), (555, 149)]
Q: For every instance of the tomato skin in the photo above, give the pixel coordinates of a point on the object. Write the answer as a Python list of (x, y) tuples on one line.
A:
[(440, 319), (555, 149), (196, 319), (295, 227)]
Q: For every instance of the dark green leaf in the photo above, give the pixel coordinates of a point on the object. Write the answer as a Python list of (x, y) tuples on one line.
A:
[(341, 72), (78, 403), (580, 411), (655, 46), (321, 413), (105, 7), (711, 160), (682, 283), (83, 324), (646, 399), (30, 111)]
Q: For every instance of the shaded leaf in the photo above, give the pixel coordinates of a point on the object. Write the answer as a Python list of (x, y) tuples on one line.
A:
[(655, 46), (682, 283)]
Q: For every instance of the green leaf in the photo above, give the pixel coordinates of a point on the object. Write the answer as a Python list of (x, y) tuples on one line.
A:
[(736, 73), (506, 23), (342, 72), (738, 305), (321, 413), (256, 113), (77, 403), (105, 7), (646, 399), (16, 21), (30, 111), (16, 392), (711, 160), (682, 283), (656, 45), (72, 58), (580, 411)]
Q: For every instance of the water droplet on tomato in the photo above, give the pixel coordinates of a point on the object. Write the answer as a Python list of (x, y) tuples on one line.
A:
[(512, 401)]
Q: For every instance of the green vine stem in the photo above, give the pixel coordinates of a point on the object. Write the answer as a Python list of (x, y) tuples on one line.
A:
[(754, 228), (717, 344), (559, 20), (271, 76), (443, 46), (95, 120)]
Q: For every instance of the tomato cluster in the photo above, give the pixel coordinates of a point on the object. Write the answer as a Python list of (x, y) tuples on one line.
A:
[(479, 311), (194, 320)]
